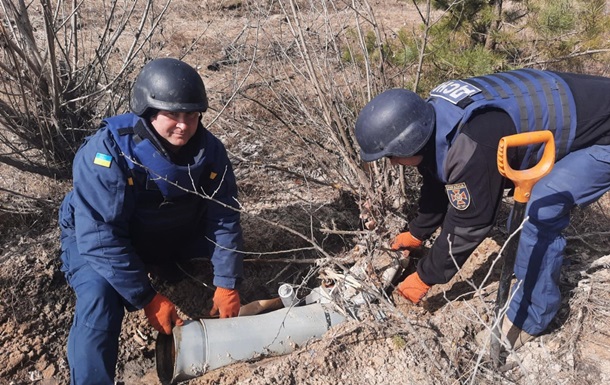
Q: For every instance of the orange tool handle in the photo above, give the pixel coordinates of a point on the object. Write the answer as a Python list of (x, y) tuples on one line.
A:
[(524, 180)]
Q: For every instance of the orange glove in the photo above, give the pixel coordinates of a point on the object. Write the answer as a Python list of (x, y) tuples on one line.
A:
[(226, 302), (413, 288), (162, 314), (406, 241)]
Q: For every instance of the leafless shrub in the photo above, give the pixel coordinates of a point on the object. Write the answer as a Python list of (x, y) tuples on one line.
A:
[(305, 70), (63, 71)]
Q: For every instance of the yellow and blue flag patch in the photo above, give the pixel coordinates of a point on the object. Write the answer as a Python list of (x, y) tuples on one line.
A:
[(103, 160)]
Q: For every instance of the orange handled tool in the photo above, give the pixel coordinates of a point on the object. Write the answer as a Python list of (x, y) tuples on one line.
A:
[(524, 181)]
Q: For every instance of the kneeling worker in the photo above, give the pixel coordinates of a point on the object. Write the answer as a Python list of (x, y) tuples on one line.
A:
[(137, 206)]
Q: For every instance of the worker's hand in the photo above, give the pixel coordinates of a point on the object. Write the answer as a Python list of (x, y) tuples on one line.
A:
[(405, 241), (226, 303), (413, 288), (162, 314)]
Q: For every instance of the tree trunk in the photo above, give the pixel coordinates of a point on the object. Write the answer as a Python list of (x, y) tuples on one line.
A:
[(494, 28)]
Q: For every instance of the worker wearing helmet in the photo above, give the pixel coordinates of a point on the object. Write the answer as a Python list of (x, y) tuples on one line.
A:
[(452, 138), (151, 188)]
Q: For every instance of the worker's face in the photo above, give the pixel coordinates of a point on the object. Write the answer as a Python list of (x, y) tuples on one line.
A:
[(406, 161), (177, 128)]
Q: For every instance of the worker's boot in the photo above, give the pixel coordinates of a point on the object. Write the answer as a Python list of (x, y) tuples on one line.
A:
[(513, 335)]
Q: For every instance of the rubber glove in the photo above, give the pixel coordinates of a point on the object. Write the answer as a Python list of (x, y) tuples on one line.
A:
[(162, 314), (226, 303), (406, 241), (413, 288)]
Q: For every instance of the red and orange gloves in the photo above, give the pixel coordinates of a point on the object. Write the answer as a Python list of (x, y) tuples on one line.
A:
[(226, 303), (162, 314), (405, 241), (413, 288)]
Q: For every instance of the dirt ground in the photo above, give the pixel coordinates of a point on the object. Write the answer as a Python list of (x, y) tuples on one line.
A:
[(433, 343), (429, 344)]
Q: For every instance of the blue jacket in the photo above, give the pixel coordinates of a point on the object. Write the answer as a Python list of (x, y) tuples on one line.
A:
[(132, 205)]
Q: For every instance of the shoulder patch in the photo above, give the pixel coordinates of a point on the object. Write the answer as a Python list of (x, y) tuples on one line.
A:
[(454, 91), (459, 196), (103, 160)]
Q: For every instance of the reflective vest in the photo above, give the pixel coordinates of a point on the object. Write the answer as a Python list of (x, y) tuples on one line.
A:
[(535, 100)]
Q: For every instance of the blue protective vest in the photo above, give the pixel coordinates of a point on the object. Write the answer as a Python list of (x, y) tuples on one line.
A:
[(145, 155), (166, 208), (535, 100), (151, 220)]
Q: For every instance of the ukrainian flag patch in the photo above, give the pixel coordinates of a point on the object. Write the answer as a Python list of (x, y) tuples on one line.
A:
[(103, 160)]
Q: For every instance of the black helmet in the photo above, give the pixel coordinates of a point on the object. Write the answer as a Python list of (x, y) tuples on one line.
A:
[(396, 122), (168, 84)]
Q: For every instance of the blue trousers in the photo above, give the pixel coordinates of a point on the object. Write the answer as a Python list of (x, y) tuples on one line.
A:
[(580, 179), (93, 343)]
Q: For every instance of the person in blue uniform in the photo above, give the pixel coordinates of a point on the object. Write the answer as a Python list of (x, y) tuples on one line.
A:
[(452, 138), (151, 188)]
